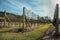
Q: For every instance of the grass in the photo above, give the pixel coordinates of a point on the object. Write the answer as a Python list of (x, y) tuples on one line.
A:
[(8, 29), (33, 35)]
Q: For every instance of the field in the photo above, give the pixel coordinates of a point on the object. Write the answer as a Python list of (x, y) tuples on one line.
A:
[(33, 35)]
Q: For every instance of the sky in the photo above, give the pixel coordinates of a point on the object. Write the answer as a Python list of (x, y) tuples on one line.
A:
[(39, 7)]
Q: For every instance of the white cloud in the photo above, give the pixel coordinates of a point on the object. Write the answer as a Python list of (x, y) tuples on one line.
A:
[(15, 3), (20, 5), (41, 7), (9, 5), (38, 6), (54, 2)]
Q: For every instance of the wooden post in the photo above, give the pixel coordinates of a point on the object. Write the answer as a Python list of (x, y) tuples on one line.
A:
[(1, 23), (55, 21), (24, 18), (15, 22), (5, 18), (8, 23), (38, 23), (19, 23)]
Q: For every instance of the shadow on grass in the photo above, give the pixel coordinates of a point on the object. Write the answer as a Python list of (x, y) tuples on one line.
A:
[(39, 38)]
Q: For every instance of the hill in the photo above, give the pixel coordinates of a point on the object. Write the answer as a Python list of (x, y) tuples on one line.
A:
[(12, 17)]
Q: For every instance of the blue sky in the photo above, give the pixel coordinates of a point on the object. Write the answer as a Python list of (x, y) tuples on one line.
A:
[(39, 7)]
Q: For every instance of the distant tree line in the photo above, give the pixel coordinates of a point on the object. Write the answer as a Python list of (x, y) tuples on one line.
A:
[(44, 19)]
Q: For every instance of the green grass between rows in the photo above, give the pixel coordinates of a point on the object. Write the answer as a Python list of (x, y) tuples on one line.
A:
[(33, 35)]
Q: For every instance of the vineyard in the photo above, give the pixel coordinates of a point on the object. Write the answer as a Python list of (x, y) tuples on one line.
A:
[(28, 26), (26, 22)]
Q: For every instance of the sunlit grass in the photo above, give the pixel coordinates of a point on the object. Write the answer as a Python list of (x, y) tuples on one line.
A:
[(33, 35), (8, 29)]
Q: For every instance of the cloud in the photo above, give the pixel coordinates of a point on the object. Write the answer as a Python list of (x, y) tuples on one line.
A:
[(42, 7), (53, 6), (21, 5), (15, 3), (39, 7), (10, 6)]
